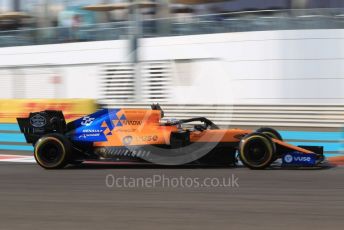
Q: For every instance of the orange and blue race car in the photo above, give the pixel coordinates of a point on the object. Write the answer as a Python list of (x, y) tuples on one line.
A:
[(140, 136)]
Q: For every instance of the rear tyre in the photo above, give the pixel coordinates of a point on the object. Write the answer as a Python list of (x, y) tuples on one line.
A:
[(257, 151), (270, 132), (52, 151)]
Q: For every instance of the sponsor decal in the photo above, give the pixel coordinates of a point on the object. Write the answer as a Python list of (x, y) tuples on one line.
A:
[(126, 122), (288, 158), (85, 136), (147, 138), (94, 127), (127, 140), (87, 121), (38, 121), (299, 159), (303, 159), (126, 130), (92, 131)]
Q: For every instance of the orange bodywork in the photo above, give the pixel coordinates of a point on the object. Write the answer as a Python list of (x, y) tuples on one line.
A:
[(143, 127), (292, 147)]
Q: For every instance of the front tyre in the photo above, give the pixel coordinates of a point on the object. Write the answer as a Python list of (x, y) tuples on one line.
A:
[(52, 151), (270, 132), (257, 151)]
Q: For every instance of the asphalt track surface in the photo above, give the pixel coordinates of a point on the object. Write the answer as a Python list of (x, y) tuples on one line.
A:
[(78, 198)]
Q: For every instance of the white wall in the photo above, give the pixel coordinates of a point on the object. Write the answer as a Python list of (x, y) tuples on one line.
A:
[(267, 67), (64, 54), (81, 81), (6, 84), (302, 66), (206, 82)]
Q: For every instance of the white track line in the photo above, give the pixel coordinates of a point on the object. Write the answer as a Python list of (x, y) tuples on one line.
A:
[(16, 158)]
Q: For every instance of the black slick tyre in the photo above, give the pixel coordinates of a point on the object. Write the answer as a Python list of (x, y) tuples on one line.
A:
[(52, 151), (270, 132), (257, 151)]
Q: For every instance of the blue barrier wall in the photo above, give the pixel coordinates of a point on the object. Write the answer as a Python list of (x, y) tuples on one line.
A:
[(12, 139), (331, 141)]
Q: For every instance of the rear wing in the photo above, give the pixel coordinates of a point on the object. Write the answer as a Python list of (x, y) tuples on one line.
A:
[(40, 123)]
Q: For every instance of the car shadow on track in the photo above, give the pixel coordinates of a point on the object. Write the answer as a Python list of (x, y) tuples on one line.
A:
[(109, 166), (152, 166)]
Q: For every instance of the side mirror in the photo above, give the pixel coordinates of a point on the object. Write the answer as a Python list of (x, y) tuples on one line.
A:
[(158, 107)]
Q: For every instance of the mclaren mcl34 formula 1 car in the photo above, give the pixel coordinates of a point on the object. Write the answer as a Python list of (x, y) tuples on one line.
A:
[(141, 136)]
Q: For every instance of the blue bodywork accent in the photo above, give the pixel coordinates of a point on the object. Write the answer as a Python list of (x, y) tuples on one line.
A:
[(89, 128), (299, 159)]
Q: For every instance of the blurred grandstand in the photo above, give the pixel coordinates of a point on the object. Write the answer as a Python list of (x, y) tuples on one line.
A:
[(49, 22)]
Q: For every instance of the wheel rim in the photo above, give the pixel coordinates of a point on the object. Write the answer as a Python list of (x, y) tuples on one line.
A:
[(50, 153), (257, 152)]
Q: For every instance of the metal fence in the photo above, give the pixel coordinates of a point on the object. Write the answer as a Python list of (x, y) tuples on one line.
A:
[(182, 25)]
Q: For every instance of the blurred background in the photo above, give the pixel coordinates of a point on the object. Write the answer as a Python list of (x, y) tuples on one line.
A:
[(242, 63)]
